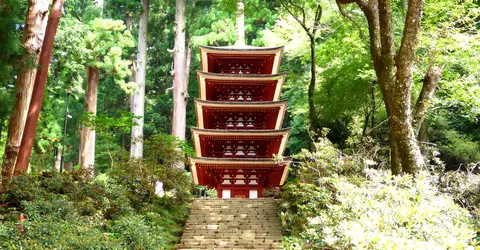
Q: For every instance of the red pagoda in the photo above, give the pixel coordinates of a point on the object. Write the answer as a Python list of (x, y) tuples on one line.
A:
[(240, 119)]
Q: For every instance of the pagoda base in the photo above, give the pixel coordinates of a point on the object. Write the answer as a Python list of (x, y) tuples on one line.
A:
[(227, 192)]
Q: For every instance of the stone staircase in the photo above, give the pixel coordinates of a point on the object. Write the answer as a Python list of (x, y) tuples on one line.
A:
[(232, 224)]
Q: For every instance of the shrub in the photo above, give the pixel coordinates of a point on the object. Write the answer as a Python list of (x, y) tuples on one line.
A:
[(331, 204), (380, 213), (116, 210), (158, 165), (464, 187)]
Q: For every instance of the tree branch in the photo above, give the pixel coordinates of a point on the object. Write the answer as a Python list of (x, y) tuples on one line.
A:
[(386, 31), (307, 30), (424, 100), (410, 33), (346, 1), (301, 9), (316, 21), (360, 3), (374, 32), (344, 14)]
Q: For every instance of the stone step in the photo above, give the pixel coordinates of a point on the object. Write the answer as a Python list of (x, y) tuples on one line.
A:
[(232, 224), (248, 244), (259, 208), (233, 230), (242, 226), (238, 217), (232, 237), (239, 220)]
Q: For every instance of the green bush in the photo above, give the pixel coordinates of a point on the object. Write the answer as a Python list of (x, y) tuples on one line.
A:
[(460, 147), (158, 165), (464, 187), (116, 210), (333, 205), (457, 145)]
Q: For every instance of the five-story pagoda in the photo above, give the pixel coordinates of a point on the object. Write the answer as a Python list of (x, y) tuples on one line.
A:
[(239, 116)]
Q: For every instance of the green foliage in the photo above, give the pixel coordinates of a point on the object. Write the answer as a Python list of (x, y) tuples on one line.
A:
[(455, 148), (68, 68), (460, 147), (118, 210), (338, 201), (464, 186), (327, 160), (11, 18), (107, 128), (106, 42), (217, 26), (158, 165), (105, 124)]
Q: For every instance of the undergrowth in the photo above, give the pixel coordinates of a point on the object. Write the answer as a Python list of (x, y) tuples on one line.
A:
[(339, 201), (116, 210)]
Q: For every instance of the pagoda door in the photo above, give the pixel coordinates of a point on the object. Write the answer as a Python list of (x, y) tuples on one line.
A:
[(240, 193)]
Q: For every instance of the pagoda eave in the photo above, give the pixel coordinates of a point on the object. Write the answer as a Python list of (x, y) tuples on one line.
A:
[(268, 87), (224, 143), (239, 49), (204, 169), (216, 59), (283, 132), (238, 115), (213, 75)]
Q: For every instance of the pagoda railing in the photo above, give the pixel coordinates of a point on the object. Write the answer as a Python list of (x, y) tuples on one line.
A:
[(239, 151), (239, 122)]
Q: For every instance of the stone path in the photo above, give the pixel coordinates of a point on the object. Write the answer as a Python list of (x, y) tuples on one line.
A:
[(232, 224)]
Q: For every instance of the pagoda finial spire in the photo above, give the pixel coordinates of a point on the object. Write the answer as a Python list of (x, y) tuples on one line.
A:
[(240, 24)]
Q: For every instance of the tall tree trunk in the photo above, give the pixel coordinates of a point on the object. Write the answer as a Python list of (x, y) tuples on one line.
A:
[(402, 122), (395, 164), (188, 59), (1, 128), (133, 75), (403, 134), (138, 98), (311, 87), (179, 91), (365, 124), (28, 137), (311, 32), (32, 41), (57, 160), (87, 147), (88, 135), (424, 101), (423, 136), (374, 104), (394, 70), (133, 63)]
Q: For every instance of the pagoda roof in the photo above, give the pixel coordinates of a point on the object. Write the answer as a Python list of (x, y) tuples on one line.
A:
[(270, 57), (226, 134), (241, 104), (274, 81), (279, 107), (240, 48), (235, 164), (251, 161), (242, 76)]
